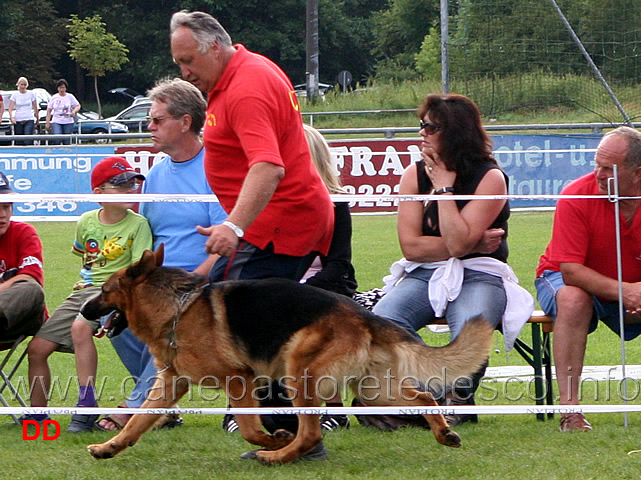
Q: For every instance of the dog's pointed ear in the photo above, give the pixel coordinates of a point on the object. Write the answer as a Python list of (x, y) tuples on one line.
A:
[(144, 266), (160, 254)]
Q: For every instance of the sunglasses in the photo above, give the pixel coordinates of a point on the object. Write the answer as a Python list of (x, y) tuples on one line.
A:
[(156, 120), (124, 187), (429, 127)]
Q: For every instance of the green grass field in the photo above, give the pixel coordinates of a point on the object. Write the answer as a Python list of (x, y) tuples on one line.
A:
[(500, 446)]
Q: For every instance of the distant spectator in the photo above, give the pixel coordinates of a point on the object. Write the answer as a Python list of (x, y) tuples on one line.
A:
[(23, 110), (62, 107)]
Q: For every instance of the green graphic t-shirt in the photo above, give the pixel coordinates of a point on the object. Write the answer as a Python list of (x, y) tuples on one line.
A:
[(106, 248)]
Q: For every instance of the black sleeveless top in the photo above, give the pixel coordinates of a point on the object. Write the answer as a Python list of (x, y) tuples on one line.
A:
[(466, 187)]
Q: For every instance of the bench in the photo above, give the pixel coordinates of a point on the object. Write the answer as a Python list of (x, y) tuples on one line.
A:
[(538, 356)]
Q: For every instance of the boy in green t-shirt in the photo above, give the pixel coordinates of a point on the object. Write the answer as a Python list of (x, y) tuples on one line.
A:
[(107, 239)]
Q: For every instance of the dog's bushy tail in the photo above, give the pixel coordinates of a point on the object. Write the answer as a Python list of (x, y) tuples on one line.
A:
[(443, 365)]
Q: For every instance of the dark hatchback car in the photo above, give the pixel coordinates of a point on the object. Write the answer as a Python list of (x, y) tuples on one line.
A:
[(134, 116), (87, 122)]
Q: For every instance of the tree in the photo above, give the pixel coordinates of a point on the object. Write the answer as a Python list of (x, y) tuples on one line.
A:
[(32, 38), (95, 49), (400, 30)]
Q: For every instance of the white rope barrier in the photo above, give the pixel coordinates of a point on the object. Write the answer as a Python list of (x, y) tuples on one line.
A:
[(336, 151), (150, 197), (459, 409)]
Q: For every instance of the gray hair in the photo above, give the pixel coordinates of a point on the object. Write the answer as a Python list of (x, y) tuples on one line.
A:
[(205, 28), (633, 155), (182, 98)]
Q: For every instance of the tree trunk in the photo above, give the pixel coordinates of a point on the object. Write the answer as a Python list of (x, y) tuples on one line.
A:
[(95, 85)]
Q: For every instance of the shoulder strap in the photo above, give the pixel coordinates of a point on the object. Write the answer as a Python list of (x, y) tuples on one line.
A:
[(424, 182)]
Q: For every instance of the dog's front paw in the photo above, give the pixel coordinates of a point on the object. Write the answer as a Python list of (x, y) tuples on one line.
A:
[(103, 450)]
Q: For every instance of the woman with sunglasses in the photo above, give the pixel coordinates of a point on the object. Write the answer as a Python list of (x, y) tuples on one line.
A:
[(452, 245)]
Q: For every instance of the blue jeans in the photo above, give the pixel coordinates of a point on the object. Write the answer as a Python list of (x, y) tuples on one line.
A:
[(62, 129), (408, 303), (24, 128), (551, 282), (135, 356)]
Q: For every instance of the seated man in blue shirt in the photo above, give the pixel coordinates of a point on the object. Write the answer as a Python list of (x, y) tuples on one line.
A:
[(176, 118)]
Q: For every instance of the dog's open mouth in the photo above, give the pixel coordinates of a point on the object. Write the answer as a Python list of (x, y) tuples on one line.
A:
[(112, 327)]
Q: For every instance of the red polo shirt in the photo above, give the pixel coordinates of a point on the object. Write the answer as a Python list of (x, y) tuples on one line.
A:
[(584, 232), (253, 116)]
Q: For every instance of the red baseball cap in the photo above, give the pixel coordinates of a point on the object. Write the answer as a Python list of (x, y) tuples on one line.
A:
[(115, 170)]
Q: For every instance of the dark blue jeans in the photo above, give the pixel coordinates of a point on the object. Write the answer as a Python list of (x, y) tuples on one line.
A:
[(24, 128)]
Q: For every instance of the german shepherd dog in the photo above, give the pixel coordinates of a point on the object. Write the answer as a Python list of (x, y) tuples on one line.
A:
[(250, 330)]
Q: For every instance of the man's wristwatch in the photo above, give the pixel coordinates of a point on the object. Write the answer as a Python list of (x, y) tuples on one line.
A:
[(440, 191), (240, 233)]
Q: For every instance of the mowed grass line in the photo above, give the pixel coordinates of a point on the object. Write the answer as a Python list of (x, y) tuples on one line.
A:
[(500, 446)]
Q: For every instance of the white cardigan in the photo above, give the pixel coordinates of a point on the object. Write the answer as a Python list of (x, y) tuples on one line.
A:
[(446, 282)]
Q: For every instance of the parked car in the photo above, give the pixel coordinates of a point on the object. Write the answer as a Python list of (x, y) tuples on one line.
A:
[(301, 90), (323, 88), (134, 116), (87, 122), (126, 92)]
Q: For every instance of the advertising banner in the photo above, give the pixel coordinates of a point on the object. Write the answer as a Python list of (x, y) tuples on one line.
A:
[(534, 164)]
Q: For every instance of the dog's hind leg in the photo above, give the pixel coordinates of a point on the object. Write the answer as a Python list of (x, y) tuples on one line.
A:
[(167, 390), (250, 426)]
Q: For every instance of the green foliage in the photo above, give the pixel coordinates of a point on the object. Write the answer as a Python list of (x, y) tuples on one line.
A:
[(95, 49), (400, 28), (32, 38), (428, 60)]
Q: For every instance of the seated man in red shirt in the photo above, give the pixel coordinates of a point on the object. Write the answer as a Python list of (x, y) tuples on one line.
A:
[(22, 299), (577, 275)]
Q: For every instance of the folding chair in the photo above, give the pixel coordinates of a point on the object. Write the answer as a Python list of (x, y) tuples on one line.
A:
[(8, 368)]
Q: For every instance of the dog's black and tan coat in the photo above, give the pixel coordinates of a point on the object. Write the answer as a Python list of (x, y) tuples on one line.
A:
[(252, 329)]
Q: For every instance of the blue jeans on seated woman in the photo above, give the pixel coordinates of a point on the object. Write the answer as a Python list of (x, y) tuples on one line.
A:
[(408, 303)]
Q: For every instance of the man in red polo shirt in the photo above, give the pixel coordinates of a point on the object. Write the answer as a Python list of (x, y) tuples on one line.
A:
[(577, 275), (257, 162), (256, 157)]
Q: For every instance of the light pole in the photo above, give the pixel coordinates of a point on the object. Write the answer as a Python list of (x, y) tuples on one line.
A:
[(311, 80)]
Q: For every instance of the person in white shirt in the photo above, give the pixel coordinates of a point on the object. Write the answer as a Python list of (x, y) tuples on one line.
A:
[(23, 110), (61, 110)]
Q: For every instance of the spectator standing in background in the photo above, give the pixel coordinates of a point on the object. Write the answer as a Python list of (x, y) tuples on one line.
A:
[(23, 110), (61, 110)]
